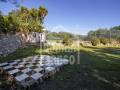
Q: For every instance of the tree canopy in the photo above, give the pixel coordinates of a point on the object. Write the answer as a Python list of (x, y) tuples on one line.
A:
[(23, 20), (60, 35), (113, 32)]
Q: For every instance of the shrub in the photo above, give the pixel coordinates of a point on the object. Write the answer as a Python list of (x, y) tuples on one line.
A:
[(111, 41), (118, 40), (81, 44), (57, 41), (67, 41), (95, 41), (104, 41)]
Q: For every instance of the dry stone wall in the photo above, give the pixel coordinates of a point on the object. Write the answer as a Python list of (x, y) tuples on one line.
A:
[(9, 44)]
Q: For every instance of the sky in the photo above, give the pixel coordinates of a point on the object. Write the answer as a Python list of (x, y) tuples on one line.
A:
[(76, 16)]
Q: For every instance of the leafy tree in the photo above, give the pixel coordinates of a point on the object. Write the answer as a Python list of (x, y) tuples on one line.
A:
[(104, 41), (23, 20), (67, 41), (98, 33), (42, 13), (1, 23), (113, 32), (60, 35), (95, 41), (116, 28)]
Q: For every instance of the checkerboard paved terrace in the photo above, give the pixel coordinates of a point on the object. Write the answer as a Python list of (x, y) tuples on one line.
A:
[(31, 70)]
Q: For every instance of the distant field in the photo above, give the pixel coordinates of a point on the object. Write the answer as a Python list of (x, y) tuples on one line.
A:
[(99, 68)]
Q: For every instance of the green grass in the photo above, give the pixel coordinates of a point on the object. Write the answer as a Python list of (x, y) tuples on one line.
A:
[(99, 68), (21, 53)]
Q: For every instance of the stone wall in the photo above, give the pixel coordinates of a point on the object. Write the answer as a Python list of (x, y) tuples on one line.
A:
[(34, 37), (9, 44)]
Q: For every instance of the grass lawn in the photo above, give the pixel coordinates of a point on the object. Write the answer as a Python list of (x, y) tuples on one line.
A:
[(99, 68)]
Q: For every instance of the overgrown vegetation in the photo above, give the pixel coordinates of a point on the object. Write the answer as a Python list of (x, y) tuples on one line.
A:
[(104, 41), (67, 41), (60, 35), (113, 33), (95, 41), (23, 20), (105, 36)]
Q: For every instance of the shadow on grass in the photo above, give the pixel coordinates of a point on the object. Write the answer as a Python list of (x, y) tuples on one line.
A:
[(110, 50), (21, 53), (98, 69)]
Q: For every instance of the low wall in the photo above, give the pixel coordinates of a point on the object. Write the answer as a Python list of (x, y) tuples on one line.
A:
[(9, 44), (34, 37)]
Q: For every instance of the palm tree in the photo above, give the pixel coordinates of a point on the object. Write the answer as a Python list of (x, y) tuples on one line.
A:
[(42, 13)]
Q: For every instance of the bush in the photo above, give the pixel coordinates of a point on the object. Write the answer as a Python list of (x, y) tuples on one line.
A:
[(67, 41), (95, 41), (81, 44), (104, 41), (118, 40), (57, 41), (111, 41)]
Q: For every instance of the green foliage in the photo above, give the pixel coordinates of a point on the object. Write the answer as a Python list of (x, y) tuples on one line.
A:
[(118, 40), (23, 20), (60, 35), (90, 59), (1, 23), (67, 41), (95, 41), (111, 40), (81, 44), (104, 41), (98, 33), (57, 41), (115, 28), (113, 32)]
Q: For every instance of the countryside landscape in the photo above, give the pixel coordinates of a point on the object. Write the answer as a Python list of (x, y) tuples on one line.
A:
[(59, 45)]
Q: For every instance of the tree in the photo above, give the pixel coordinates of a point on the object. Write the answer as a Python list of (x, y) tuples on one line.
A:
[(104, 41), (67, 41), (98, 33), (116, 28), (23, 20), (113, 33), (42, 13), (95, 41), (4, 24), (1, 23), (61, 35)]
